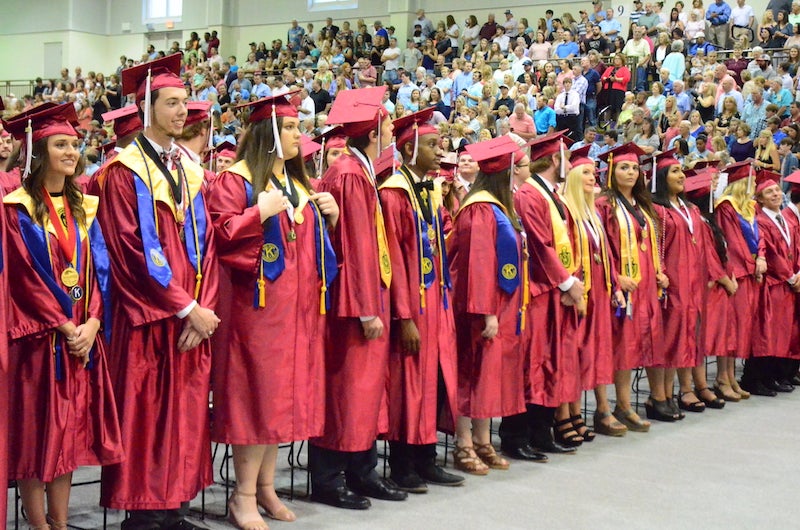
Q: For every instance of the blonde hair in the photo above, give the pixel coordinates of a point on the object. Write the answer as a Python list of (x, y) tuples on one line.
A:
[(579, 202), (770, 144), (740, 198)]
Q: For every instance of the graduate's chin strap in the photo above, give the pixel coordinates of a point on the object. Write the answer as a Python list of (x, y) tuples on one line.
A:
[(28, 149)]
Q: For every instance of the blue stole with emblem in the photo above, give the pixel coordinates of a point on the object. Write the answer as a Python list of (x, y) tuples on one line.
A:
[(507, 252), (750, 233), (327, 267), (427, 253)]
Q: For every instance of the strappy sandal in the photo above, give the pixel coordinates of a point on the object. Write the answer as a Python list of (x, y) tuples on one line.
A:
[(44, 526), (715, 403), (281, 514), (693, 406), (255, 524), (563, 436), (578, 423), (614, 427), (630, 420), (489, 456), (55, 525), (465, 459), (739, 390), (732, 395)]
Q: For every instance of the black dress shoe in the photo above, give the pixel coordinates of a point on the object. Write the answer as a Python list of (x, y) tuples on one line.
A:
[(549, 446), (786, 385), (341, 497), (378, 489), (433, 474), (410, 482), (185, 524), (795, 380), (758, 389), (524, 452)]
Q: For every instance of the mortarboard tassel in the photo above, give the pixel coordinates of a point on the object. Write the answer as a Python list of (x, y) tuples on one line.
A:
[(276, 134), (653, 175), (321, 160), (711, 200), (28, 149), (212, 158), (750, 190), (563, 161), (146, 120), (416, 145)]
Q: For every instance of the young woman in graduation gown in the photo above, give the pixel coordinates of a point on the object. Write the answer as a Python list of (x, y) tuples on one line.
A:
[(59, 387), (489, 275), (736, 217), (595, 344), (630, 222), (271, 233)]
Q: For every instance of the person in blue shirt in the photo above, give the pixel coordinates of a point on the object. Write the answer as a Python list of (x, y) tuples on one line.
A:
[(701, 44), (718, 15), (610, 27), (462, 81), (780, 96), (568, 48), (544, 117), (593, 80)]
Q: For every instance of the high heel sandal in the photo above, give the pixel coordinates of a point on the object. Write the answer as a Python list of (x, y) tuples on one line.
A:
[(739, 390), (465, 459), (489, 456), (55, 525), (44, 526), (694, 406), (255, 524), (715, 403), (563, 437), (659, 410), (578, 423), (732, 395), (614, 427), (630, 420), (281, 514)]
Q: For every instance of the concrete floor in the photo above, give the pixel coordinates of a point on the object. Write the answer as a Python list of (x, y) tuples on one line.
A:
[(734, 468)]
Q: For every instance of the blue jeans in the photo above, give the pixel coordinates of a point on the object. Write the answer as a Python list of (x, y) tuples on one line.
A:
[(591, 111), (390, 75), (641, 79)]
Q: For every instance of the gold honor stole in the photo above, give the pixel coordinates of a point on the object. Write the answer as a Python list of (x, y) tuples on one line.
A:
[(585, 255), (561, 240), (485, 196), (384, 261), (629, 254)]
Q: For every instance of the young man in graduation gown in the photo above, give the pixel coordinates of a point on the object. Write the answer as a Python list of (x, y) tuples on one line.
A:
[(127, 125), (195, 140), (792, 216), (164, 277), (3, 367), (342, 461), (552, 372), (422, 359)]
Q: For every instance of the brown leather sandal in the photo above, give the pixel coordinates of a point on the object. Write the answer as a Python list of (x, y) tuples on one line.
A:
[(487, 453), (465, 459)]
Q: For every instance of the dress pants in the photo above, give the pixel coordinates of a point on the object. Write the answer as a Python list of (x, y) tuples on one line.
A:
[(530, 427), (154, 519), (330, 468)]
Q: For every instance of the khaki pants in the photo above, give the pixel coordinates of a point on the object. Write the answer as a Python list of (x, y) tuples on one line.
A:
[(718, 36), (738, 33)]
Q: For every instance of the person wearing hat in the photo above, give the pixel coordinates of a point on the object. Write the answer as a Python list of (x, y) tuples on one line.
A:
[(791, 214), (552, 377), (196, 139), (272, 234), (681, 247), (422, 361), (736, 217), (64, 408), (630, 222), (342, 459), (776, 324), (164, 278), (126, 125), (489, 302), (601, 291), (226, 156), (4, 417)]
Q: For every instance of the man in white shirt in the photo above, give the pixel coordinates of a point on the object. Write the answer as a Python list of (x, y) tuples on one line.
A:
[(638, 47), (501, 38), (306, 110), (510, 24), (568, 108), (742, 19), (391, 61)]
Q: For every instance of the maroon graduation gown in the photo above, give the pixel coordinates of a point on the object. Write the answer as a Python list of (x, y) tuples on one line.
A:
[(4, 379), (638, 341), (356, 369), (413, 377), (162, 394), (56, 425), (269, 377), (553, 371), (681, 309), (489, 371), (714, 311), (772, 330), (742, 306), (793, 221)]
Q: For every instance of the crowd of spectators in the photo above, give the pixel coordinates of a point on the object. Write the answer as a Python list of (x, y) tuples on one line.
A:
[(712, 81)]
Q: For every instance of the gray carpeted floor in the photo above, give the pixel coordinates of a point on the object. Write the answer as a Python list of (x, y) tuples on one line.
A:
[(734, 468)]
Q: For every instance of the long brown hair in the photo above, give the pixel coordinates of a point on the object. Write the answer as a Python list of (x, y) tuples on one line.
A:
[(640, 193), (257, 150), (499, 185), (40, 163)]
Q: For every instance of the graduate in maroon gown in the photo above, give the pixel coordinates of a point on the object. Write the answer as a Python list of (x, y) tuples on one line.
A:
[(717, 282), (772, 332), (791, 213), (195, 140), (630, 221), (164, 272), (225, 154), (342, 459), (735, 213), (595, 344), (4, 136), (59, 387), (552, 373), (489, 271), (126, 125), (271, 230), (422, 361)]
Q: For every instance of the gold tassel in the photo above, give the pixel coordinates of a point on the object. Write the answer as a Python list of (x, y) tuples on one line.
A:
[(322, 292), (262, 293), (198, 281), (422, 295)]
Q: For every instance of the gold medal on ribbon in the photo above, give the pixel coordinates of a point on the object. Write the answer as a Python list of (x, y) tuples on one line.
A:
[(292, 235), (643, 247), (431, 234), (299, 217), (69, 277)]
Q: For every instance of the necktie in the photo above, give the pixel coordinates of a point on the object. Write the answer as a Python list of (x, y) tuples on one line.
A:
[(781, 222)]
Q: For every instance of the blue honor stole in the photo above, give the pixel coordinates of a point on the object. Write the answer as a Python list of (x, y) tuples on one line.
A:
[(750, 233), (37, 241), (272, 262), (151, 187)]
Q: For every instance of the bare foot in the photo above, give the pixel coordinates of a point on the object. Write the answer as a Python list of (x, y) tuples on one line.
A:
[(268, 499), (244, 512)]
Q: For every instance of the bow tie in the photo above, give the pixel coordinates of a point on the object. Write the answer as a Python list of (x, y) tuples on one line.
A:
[(173, 156), (424, 185)]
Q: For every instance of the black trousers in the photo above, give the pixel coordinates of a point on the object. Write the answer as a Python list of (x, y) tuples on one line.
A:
[(154, 519), (332, 469), (530, 427), (763, 369)]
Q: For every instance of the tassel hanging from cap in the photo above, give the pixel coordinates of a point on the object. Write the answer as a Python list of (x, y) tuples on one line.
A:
[(563, 169), (379, 132), (711, 199), (653, 175), (511, 172), (750, 179), (28, 150), (147, 102), (321, 161), (610, 170), (276, 134), (212, 158), (416, 146)]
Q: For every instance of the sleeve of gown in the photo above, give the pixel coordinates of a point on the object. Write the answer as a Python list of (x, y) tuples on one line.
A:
[(119, 219), (358, 285), (400, 233), (714, 265), (546, 267), (737, 249), (480, 232), (238, 232), (33, 310)]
